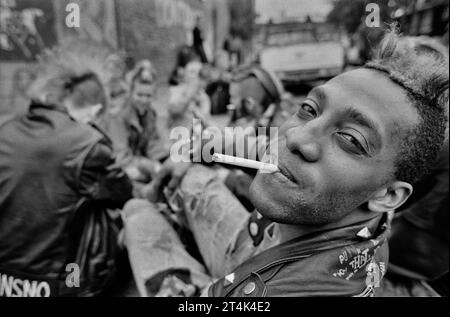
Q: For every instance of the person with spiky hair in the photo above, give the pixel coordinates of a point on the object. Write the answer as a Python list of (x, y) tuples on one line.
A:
[(347, 159), (131, 123), (59, 182), (140, 117)]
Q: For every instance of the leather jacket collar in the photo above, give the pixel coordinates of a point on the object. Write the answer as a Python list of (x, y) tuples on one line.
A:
[(344, 257)]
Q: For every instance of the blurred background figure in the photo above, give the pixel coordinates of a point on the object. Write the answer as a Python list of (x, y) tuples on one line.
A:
[(219, 83), (119, 92), (142, 117), (131, 122), (117, 88), (255, 96), (115, 66), (188, 98), (197, 37)]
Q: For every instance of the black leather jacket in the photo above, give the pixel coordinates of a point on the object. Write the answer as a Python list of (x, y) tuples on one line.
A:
[(336, 262), (57, 177)]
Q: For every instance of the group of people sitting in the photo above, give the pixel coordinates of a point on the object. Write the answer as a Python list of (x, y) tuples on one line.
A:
[(87, 181)]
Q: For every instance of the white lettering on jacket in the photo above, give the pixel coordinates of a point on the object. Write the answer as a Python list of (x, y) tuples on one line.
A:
[(11, 286)]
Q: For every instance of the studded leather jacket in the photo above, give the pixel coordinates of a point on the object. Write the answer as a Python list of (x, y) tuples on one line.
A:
[(348, 261)]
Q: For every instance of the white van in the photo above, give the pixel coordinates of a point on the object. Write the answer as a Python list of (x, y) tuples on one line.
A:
[(299, 52)]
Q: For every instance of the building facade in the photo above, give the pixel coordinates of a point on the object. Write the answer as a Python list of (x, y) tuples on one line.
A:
[(141, 29)]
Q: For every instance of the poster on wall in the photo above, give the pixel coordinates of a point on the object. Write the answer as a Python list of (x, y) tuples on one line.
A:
[(97, 21), (26, 29)]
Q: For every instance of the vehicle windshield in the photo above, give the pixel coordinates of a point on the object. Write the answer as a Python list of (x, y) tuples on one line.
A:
[(310, 34)]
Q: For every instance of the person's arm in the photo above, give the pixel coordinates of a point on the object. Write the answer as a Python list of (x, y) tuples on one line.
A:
[(102, 179)]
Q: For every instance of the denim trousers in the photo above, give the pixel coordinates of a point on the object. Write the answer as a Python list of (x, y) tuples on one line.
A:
[(216, 219)]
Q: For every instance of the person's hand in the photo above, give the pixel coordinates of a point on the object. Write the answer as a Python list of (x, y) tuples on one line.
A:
[(148, 167), (134, 173), (141, 169), (170, 175)]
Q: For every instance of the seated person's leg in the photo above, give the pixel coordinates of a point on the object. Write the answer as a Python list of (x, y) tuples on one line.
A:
[(157, 256), (215, 217)]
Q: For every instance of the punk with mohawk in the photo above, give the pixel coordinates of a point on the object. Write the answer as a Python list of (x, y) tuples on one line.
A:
[(74, 68), (59, 182)]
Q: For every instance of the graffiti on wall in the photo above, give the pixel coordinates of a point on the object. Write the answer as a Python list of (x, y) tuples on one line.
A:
[(97, 21), (26, 28)]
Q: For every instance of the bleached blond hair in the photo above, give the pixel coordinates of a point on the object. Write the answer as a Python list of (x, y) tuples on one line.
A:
[(63, 65)]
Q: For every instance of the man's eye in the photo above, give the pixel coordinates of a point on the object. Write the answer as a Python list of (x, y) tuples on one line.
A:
[(352, 143), (306, 110)]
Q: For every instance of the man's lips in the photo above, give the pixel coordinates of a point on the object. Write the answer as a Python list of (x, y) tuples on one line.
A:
[(286, 173)]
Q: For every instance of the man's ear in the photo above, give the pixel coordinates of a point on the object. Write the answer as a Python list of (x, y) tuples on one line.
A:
[(390, 197)]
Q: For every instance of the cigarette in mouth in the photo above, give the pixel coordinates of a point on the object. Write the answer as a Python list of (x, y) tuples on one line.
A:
[(237, 161)]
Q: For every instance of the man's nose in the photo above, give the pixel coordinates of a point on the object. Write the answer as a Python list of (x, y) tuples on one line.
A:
[(302, 141)]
